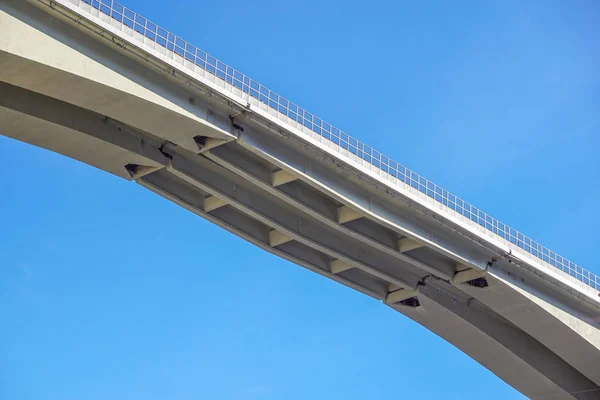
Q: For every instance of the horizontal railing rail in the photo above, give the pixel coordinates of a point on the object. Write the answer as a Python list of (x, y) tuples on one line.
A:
[(252, 88)]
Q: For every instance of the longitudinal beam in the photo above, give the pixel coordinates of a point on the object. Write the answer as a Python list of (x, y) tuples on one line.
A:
[(173, 189), (286, 155), (234, 163), (220, 183)]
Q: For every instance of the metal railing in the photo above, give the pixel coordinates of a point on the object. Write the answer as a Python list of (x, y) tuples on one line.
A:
[(187, 51)]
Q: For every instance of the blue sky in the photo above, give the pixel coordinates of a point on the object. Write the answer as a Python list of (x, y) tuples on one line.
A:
[(108, 291)]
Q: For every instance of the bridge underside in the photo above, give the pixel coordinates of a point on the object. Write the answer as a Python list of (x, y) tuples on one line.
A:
[(279, 194)]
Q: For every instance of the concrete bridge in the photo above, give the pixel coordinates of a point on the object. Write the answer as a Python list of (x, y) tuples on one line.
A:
[(98, 83)]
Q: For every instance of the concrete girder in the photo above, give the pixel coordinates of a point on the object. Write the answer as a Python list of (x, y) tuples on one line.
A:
[(179, 192), (279, 153), (234, 164), (219, 182)]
